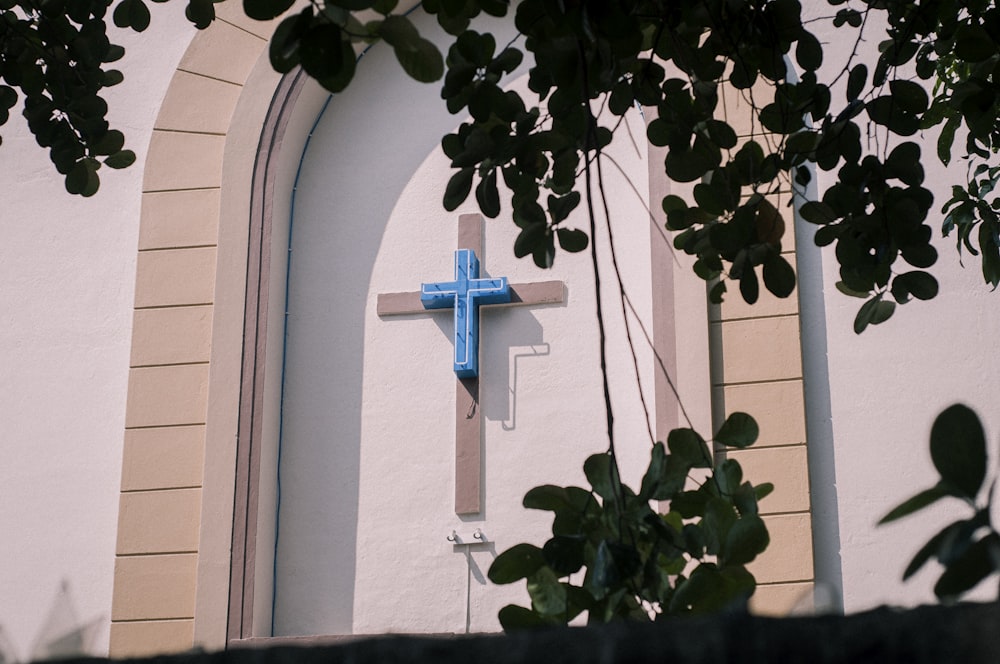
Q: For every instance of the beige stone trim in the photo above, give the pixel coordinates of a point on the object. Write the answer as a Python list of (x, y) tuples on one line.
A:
[(783, 599), (789, 556), (163, 458), (198, 104), (187, 218), (175, 277), (154, 587), (776, 407), (159, 535), (172, 335), (159, 521), (785, 468), (146, 638), (757, 350), (167, 396)]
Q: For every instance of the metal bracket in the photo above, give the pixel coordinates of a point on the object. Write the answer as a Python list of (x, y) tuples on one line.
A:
[(463, 539)]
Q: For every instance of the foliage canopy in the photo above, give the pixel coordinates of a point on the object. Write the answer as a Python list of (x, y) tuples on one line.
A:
[(593, 60)]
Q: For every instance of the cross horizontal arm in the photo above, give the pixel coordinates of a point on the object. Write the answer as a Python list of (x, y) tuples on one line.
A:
[(538, 292)]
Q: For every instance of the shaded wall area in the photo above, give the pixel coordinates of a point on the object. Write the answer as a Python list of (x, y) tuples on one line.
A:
[(963, 634)]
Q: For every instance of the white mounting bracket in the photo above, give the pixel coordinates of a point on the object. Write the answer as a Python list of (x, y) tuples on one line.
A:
[(467, 539)]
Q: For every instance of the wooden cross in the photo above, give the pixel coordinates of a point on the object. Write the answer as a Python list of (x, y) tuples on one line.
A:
[(464, 296)]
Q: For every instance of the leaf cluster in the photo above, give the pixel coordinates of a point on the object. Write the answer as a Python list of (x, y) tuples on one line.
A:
[(613, 556), (968, 549), (56, 56), (592, 61)]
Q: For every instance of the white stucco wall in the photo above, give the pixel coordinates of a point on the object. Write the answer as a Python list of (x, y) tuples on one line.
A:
[(67, 274), (887, 385)]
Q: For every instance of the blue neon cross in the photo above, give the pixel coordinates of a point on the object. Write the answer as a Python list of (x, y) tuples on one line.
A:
[(465, 294)]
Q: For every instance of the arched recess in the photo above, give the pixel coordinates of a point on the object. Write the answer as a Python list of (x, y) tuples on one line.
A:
[(203, 372), (171, 587)]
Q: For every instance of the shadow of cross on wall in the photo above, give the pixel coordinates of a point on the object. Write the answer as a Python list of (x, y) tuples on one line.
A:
[(455, 296)]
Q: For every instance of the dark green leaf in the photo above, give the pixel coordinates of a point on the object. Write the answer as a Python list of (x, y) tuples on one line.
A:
[(968, 570), (886, 111), (421, 60), (200, 12), (739, 430), (321, 51), (689, 448), (513, 617), (917, 502), (120, 159), (530, 239), (548, 596), (946, 139), (571, 239), (561, 206), (856, 81), (958, 449), (458, 188), (809, 52), (132, 14), (657, 465), (817, 212), (516, 563), (749, 286), (564, 554), (602, 475), (779, 277), (488, 196), (746, 539), (931, 549), (974, 43), (284, 47), (908, 96), (82, 178), (873, 312), (265, 10), (920, 285)]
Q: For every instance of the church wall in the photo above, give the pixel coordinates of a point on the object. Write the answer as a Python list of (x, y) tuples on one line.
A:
[(72, 325), (67, 269)]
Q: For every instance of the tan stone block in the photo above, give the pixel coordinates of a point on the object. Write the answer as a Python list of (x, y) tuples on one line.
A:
[(159, 521), (223, 51), (779, 409), (163, 396), (789, 556), (163, 458), (198, 104), (172, 277), (231, 11), (735, 307), (759, 349), (784, 467), (173, 335), (154, 587), (179, 160), (179, 219), (144, 639), (782, 599)]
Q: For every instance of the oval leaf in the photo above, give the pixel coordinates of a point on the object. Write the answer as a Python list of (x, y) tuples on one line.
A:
[(958, 449), (739, 430), (516, 563)]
